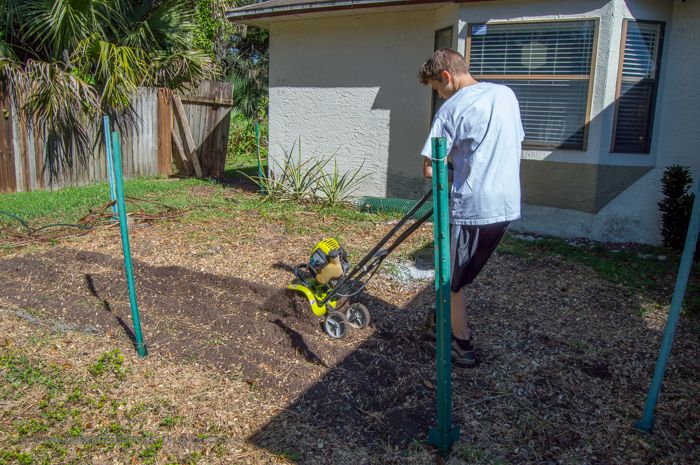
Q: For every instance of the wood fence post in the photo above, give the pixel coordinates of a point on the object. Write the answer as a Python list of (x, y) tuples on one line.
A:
[(165, 130), (8, 180)]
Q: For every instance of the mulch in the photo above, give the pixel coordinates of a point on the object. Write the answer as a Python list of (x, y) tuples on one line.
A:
[(566, 357)]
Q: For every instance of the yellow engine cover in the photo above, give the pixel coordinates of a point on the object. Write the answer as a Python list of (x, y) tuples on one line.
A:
[(327, 245), (333, 270), (327, 267)]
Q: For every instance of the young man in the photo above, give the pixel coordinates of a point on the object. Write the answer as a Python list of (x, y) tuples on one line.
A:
[(481, 122)]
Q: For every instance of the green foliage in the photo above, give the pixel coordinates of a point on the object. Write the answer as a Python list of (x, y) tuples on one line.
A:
[(240, 51), (65, 62), (336, 188), (676, 205), (300, 178), (170, 421), (242, 146), (246, 67), (71, 203), (295, 178), (22, 458), (111, 362), (639, 269), (208, 25), (149, 452), (22, 372)]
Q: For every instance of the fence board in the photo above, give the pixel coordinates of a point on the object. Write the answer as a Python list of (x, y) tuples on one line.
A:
[(147, 143), (7, 159), (165, 129), (13, 119)]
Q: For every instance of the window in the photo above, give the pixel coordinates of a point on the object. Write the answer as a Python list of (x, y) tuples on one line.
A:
[(443, 39), (548, 65), (638, 76)]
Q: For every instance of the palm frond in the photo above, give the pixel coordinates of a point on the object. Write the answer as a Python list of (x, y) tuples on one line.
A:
[(118, 70), (60, 104), (176, 69), (57, 25), (168, 26)]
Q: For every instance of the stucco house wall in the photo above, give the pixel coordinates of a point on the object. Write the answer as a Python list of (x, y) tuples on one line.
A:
[(345, 82), (347, 86), (632, 214)]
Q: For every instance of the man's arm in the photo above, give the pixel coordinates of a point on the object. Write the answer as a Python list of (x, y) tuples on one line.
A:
[(427, 168)]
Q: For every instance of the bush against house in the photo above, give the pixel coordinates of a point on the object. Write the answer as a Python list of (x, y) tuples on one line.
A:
[(676, 205)]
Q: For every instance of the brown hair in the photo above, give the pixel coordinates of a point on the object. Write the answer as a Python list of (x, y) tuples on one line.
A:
[(444, 59)]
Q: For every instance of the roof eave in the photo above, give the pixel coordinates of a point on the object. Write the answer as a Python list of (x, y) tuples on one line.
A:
[(259, 13)]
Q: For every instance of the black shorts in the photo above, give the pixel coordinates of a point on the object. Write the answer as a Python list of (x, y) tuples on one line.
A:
[(470, 249)]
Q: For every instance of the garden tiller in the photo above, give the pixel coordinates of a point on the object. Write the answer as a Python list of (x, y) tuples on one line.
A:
[(328, 282)]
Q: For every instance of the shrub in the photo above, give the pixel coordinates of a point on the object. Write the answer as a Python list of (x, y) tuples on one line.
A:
[(337, 188), (296, 178), (241, 149), (676, 205), (293, 178)]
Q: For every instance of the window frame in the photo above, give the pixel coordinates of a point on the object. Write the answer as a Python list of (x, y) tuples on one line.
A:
[(591, 76), (618, 85), (435, 98)]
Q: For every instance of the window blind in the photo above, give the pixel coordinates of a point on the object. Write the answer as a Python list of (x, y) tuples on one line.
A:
[(637, 87), (548, 67)]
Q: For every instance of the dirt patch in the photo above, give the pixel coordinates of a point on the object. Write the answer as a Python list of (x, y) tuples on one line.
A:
[(225, 321), (566, 356), (267, 333)]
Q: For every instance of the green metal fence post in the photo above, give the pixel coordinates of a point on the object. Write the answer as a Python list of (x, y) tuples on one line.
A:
[(444, 435), (121, 208), (257, 152), (646, 423), (110, 165)]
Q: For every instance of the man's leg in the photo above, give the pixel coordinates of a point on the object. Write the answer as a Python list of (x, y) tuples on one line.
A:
[(460, 328), (470, 249)]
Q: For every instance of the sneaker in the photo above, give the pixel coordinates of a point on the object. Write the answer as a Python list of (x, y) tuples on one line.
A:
[(463, 353), (464, 356)]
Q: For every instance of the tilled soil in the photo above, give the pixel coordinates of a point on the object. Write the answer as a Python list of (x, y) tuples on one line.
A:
[(566, 357), (268, 335)]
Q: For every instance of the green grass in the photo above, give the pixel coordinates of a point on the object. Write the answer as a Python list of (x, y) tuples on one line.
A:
[(66, 413), (111, 362), (638, 268), (20, 371), (69, 204)]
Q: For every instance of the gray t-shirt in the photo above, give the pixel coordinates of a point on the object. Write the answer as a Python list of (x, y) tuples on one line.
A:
[(484, 136)]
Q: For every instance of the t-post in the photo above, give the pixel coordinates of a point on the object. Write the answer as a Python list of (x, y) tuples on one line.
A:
[(121, 209), (444, 434), (257, 153), (110, 165), (646, 423)]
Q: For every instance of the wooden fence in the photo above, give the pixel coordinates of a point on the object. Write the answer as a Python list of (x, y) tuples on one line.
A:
[(152, 145)]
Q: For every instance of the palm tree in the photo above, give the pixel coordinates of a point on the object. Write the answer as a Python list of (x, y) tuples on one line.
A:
[(247, 68), (65, 62), (241, 52)]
